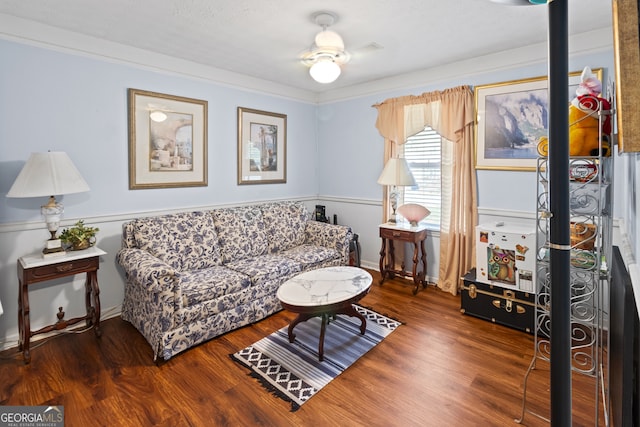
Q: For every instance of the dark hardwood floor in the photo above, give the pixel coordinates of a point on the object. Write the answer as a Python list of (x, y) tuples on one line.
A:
[(441, 368)]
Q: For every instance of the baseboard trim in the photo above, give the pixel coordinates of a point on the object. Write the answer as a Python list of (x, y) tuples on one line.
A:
[(11, 342)]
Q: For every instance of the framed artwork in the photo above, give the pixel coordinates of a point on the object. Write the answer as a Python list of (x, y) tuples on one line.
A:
[(262, 147), (167, 141), (626, 42), (510, 119)]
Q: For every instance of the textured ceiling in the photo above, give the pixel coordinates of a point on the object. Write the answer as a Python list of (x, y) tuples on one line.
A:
[(264, 38)]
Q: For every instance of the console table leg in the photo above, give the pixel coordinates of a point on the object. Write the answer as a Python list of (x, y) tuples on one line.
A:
[(383, 255), (424, 265), (416, 278), (87, 301), (93, 300), (20, 319), (25, 334), (392, 260)]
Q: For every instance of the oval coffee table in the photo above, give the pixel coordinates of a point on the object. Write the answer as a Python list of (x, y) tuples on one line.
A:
[(325, 292)]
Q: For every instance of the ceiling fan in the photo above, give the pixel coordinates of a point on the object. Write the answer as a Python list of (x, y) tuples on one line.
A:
[(327, 53)]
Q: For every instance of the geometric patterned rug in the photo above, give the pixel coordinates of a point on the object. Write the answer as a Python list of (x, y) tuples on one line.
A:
[(292, 370)]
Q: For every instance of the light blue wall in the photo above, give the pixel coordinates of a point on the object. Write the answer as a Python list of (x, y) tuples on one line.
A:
[(352, 149), (62, 102), (351, 158), (52, 100), (55, 100)]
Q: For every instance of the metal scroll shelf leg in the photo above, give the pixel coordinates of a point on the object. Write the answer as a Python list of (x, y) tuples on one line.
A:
[(532, 366)]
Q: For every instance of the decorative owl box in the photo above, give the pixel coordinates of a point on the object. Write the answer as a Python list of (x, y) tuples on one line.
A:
[(506, 255)]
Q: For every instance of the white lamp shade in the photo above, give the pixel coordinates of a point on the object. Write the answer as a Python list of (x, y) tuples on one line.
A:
[(396, 172), (48, 174), (325, 71)]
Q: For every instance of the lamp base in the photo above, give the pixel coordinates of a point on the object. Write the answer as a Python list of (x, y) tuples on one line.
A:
[(53, 254), (53, 248), (53, 245)]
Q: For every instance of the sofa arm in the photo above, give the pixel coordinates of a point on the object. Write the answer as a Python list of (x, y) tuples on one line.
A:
[(331, 236), (144, 269)]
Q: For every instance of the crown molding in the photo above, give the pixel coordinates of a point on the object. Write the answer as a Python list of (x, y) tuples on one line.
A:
[(45, 36), (48, 37), (579, 44)]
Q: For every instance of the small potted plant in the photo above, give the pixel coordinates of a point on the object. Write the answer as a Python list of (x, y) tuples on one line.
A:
[(79, 236)]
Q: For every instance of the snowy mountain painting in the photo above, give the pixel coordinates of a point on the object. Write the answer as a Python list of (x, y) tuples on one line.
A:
[(514, 123)]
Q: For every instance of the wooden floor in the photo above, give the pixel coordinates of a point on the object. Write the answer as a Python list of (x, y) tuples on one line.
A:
[(441, 368)]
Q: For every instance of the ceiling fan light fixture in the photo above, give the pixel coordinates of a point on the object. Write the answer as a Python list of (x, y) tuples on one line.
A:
[(328, 38), (327, 54), (325, 71)]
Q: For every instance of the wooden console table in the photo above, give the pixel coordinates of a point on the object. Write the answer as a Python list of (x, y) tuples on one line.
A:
[(389, 233), (34, 268)]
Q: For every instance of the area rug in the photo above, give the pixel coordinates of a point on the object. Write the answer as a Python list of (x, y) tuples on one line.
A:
[(292, 370)]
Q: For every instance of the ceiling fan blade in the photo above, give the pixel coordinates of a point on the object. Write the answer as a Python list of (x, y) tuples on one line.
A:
[(367, 49)]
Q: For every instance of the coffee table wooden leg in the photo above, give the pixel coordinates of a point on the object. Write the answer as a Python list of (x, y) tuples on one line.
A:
[(325, 319), (302, 317), (351, 311)]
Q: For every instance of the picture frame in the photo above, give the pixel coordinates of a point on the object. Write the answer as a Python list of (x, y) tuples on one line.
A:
[(503, 141), (167, 140), (626, 43), (262, 147)]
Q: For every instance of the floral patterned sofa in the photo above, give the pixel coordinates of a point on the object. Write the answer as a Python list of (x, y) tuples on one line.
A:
[(196, 275)]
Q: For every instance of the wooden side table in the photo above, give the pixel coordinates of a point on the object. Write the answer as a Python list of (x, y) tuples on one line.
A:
[(403, 233), (34, 268)]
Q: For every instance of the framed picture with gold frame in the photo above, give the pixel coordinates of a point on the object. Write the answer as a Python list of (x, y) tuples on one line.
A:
[(510, 119), (626, 42), (262, 147), (167, 140)]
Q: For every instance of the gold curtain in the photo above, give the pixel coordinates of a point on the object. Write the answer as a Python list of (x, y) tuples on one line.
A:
[(451, 114)]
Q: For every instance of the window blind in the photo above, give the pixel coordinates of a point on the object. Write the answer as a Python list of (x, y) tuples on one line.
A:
[(422, 152)]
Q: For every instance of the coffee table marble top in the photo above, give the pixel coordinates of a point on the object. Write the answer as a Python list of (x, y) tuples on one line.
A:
[(324, 286)]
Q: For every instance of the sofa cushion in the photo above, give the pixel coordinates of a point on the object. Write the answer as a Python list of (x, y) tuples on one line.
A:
[(185, 241), (285, 223), (238, 305), (211, 283), (310, 256), (241, 232), (266, 268)]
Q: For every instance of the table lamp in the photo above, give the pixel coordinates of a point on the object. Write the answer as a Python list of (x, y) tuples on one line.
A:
[(49, 174), (396, 173)]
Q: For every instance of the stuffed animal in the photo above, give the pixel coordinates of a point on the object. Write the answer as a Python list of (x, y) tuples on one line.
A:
[(584, 126)]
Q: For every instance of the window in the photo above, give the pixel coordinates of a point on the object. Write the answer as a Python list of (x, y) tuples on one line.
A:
[(422, 152)]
